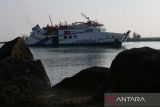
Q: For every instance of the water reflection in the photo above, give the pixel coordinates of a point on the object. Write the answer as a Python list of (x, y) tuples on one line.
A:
[(65, 62)]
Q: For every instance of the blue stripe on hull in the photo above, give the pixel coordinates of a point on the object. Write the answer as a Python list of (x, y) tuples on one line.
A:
[(108, 44)]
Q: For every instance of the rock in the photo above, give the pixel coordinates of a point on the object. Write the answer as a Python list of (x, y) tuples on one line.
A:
[(88, 79), (21, 78), (16, 48), (136, 70)]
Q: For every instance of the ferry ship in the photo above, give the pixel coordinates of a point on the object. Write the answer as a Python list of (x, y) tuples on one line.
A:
[(89, 33)]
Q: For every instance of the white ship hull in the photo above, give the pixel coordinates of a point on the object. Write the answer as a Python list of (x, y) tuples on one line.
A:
[(78, 33), (99, 38)]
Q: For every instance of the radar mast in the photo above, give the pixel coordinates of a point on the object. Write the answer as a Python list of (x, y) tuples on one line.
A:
[(85, 16), (50, 20)]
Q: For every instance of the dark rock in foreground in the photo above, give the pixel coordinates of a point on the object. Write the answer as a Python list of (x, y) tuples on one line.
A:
[(88, 79), (79, 90), (136, 70), (21, 78), (16, 48), (24, 82)]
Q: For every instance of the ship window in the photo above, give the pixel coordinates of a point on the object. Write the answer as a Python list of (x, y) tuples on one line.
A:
[(38, 31), (46, 38), (90, 30), (75, 36), (70, 37), (65, 37), (66, 32)]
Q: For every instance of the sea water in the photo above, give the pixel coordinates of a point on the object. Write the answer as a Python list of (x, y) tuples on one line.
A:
[(65, 62)]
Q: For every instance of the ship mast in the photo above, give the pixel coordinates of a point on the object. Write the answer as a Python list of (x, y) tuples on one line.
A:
[(50, 20), (85, 16)]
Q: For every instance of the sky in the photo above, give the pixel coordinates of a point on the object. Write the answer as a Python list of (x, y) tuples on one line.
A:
[(17, 17)]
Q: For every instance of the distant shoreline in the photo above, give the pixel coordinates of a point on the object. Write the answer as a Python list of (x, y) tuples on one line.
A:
[(2, 42), (145, 39)]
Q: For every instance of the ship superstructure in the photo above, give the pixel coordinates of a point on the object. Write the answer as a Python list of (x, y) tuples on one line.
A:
[(75, 34)]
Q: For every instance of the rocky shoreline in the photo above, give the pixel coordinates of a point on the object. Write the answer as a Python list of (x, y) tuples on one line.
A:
[(24, 81)]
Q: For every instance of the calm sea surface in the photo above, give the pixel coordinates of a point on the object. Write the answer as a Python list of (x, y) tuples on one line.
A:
[(66, 61)]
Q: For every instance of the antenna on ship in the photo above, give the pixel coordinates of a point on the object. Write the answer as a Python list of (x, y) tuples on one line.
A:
[(85, 16), (50, 20)]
